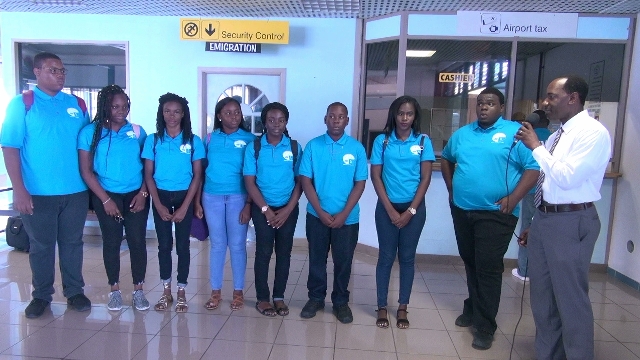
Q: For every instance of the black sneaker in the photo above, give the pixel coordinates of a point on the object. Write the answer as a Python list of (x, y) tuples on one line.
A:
[(311, 308), (343, 313), (464, 320), (79, 302), (36, 308), (481, 340)]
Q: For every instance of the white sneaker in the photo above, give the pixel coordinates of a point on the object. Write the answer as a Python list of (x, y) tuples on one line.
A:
[(515, 274)]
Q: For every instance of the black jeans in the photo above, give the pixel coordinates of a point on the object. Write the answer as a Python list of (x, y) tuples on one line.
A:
[(56, 219), (483, 238), (266, 239), (342, 242), (173, 200), (135, 227)]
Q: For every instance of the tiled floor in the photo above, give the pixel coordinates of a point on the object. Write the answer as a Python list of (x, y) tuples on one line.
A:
[(437, 298)]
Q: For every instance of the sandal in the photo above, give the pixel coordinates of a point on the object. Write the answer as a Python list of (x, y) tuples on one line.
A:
[(181, 304), (165, 299), (214, 301), (238, 300), (382, 321), (281, 308), (402, 323), (267, 311)]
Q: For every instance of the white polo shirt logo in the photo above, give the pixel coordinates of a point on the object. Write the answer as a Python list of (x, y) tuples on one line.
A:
[(348, 159), (416, 149), (131, 134), (287, 155), (185, 148), (239, 144), (498, 138), (74, 113)]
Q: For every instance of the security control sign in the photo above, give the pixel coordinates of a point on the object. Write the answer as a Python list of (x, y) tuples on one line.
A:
[(238, 31)]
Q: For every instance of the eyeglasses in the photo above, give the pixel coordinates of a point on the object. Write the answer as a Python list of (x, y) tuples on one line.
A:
[(55, 70)]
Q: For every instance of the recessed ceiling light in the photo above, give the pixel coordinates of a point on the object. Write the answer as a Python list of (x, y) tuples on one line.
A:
[(420, 53)]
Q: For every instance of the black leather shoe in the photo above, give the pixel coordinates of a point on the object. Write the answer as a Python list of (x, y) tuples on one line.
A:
[(343, 313), (464, 321), (311, 308), (79, 302), (482, 340), (36, 308)]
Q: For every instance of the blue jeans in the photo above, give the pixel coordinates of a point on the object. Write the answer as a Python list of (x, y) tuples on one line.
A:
[(56, 219), (528, 209), (172, 200), (342, 242), (268, 238), (404, 242), (223, 217)]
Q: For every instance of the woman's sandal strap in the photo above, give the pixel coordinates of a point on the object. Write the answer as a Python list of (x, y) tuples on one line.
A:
[(382, 322), (281, 308), (402, 323)]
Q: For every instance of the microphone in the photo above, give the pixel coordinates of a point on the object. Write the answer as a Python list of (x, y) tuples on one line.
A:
[(533, 119)]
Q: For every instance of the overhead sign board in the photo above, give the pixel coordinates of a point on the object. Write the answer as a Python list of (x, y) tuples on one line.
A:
[(455, 77), (233, 47), (522, 24), (239, 31)]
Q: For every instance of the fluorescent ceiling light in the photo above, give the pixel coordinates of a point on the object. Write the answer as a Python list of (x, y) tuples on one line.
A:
[(420, 53)]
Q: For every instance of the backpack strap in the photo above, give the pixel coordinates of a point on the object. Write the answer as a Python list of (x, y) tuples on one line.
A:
[(28, 98), (294, 151), (257, 145), (81, 104), (384, 146), (422, 142), (136, 130)]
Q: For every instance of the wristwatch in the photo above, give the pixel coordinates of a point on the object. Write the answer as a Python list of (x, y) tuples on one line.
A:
[(411, 210), (144, 193), (264, 209)]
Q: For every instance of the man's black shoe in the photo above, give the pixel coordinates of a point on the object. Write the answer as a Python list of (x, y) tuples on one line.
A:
[(481, 340), (311, 308), (79, 302), (343, 313), (464, 321), (35, 308)]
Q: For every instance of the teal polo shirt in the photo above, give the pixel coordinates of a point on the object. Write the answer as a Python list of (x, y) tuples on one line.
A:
[(401, 164), (46, 136), (274, 170), (482, 155), (225, 153), (173, 169), (116, 162), (334, 166)]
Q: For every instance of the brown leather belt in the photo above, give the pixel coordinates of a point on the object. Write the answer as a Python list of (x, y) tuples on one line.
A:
[(550, 208)]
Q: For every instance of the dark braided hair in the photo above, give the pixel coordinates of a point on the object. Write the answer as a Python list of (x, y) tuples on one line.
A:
[(274, 106), (103, 112), (217, 123), (185, 123)]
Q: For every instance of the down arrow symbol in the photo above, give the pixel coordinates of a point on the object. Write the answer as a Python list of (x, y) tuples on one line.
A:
[(210, 30)]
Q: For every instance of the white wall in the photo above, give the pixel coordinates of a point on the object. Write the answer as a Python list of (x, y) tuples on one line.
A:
[(626, 224)]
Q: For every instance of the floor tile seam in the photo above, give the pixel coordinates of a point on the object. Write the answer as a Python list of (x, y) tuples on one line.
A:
[(631, 351)]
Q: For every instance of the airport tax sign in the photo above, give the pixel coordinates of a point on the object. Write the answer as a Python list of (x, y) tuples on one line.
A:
[(239, 31)]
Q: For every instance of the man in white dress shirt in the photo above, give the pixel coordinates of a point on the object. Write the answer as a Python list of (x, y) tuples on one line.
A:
[(566, 225)]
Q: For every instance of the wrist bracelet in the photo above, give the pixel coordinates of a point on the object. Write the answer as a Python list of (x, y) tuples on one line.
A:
[(106, 201)]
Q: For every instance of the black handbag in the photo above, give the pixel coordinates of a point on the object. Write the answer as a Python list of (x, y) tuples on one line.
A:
[(16, 234)]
